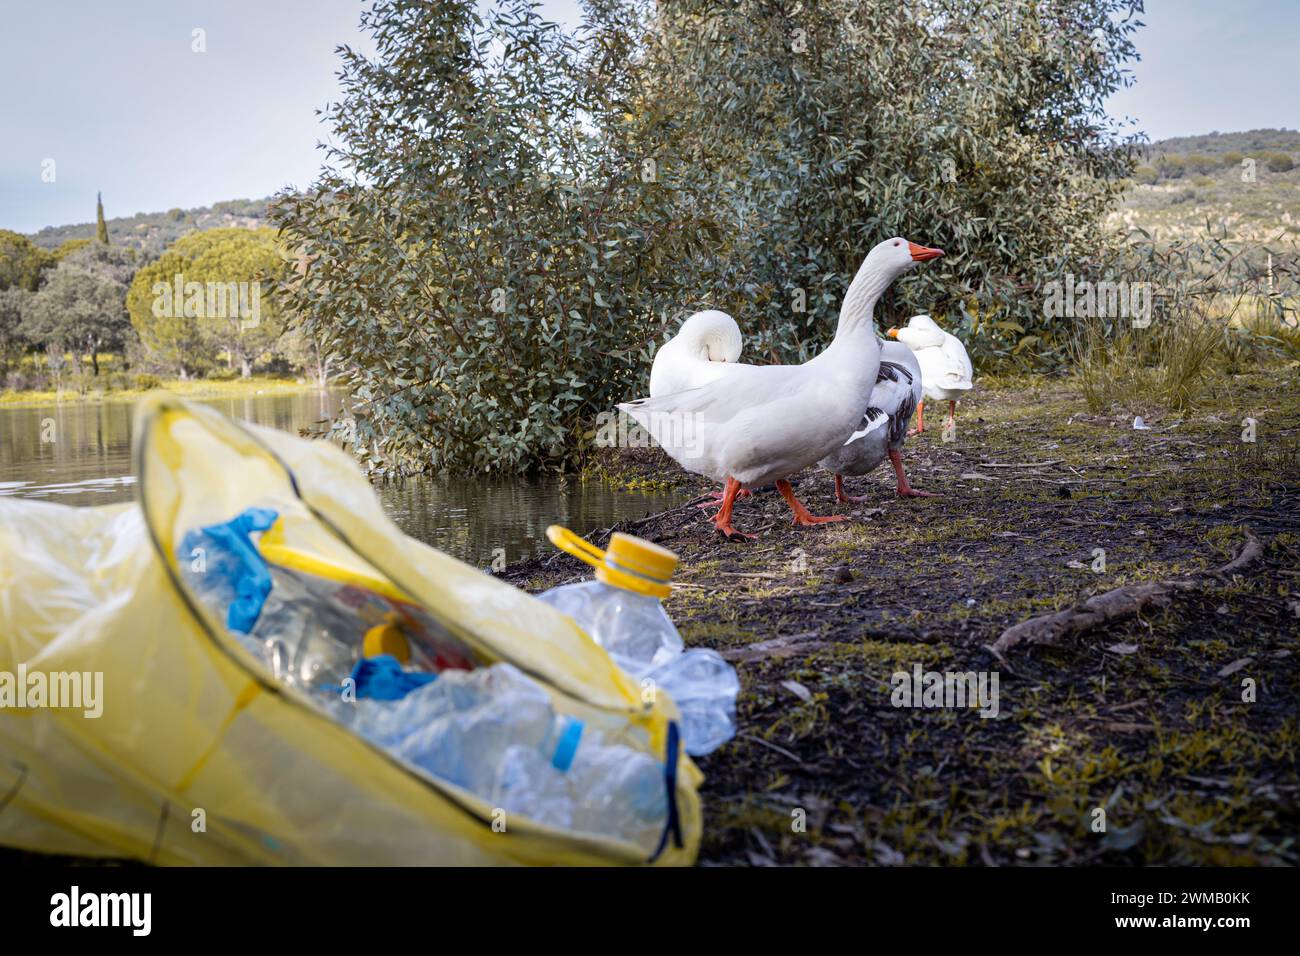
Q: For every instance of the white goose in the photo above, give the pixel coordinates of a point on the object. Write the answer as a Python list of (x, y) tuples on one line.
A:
[(704, 349), (945, 367), (884, 425), (762, 423)]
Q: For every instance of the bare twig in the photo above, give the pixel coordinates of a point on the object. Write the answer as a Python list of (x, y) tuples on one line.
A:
[(1028, 464)]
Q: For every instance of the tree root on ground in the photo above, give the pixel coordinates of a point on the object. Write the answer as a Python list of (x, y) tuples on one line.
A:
[(1116, 605)]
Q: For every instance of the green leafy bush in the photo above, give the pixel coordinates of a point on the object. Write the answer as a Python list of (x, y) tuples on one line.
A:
[(1279, 162), (1171, 167)]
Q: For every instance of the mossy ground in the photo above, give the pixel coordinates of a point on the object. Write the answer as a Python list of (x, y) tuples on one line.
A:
[(1144, 719)]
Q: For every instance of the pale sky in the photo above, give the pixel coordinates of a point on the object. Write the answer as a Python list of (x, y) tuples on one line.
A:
[(114, 94)]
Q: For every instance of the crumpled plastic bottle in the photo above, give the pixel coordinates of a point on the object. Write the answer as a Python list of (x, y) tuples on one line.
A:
[(493, 731), (704, 687), (633, 628)]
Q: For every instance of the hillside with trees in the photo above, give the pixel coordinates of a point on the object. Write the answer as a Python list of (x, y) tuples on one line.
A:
[(96, 314), (1244, 186), (152, 232)]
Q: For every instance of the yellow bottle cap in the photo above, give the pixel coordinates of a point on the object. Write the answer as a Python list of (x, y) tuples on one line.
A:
[(387, 638), (631, 563), (640, 557)]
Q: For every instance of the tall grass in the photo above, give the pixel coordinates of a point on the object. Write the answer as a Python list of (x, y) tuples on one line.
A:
[(1173, 363), (1211, 319)]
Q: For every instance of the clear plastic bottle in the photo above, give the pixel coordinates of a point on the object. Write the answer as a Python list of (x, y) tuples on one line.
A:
[(623, 613), (304, 638), (493, 731), (622, 609), (619, 791), (460, 726), (611, 790), (530, 784)]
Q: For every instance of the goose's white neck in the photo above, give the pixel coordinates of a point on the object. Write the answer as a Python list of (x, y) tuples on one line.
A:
[(860, 301)]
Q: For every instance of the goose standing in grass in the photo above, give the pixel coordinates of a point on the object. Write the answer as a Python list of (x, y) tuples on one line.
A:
[(884, 425), (945, 367), (761, 423)]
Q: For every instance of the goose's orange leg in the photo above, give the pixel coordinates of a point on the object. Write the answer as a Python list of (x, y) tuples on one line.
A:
[(841, 496), (716, 498), (801, 515), (920, 420), (904, 489), (952, 413), (722, 520)]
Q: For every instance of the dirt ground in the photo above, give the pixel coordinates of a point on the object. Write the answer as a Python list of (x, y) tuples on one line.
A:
[(1182, 724)]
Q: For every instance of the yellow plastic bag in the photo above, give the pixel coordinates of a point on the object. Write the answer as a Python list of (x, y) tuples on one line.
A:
[(199, 755)]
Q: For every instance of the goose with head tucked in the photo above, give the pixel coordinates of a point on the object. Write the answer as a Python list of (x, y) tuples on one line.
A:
[(880, 435), (762, 423), (704, 349), (945, 367)]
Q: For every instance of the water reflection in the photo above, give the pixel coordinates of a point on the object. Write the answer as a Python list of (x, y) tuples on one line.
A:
[(80, 454)]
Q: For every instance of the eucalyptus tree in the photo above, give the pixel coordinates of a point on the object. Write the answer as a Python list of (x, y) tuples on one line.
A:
[(972, 125), (496, 244)]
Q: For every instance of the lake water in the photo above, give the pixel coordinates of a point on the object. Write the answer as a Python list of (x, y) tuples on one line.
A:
[(89, 463)]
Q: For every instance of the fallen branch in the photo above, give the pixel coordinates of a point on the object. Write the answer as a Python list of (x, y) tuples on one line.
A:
[(776, 647), (1116, 605)]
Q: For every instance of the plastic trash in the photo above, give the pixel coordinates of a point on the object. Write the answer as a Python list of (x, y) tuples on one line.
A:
[(634, 628), (704, 688), (118, 594), (493, 731), (621, 790), (310, 627), (382, 677), (226, 569), (610, 790), (622, 611)]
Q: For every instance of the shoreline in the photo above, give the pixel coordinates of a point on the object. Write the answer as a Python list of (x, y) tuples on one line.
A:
[(191, 388)]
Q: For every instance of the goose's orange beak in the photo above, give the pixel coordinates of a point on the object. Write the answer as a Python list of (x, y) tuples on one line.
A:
[(892, 333), (923, 253)]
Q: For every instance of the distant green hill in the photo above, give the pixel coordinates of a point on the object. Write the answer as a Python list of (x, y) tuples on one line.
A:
[(152, 232), (1216, 144), (1182, 183)]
